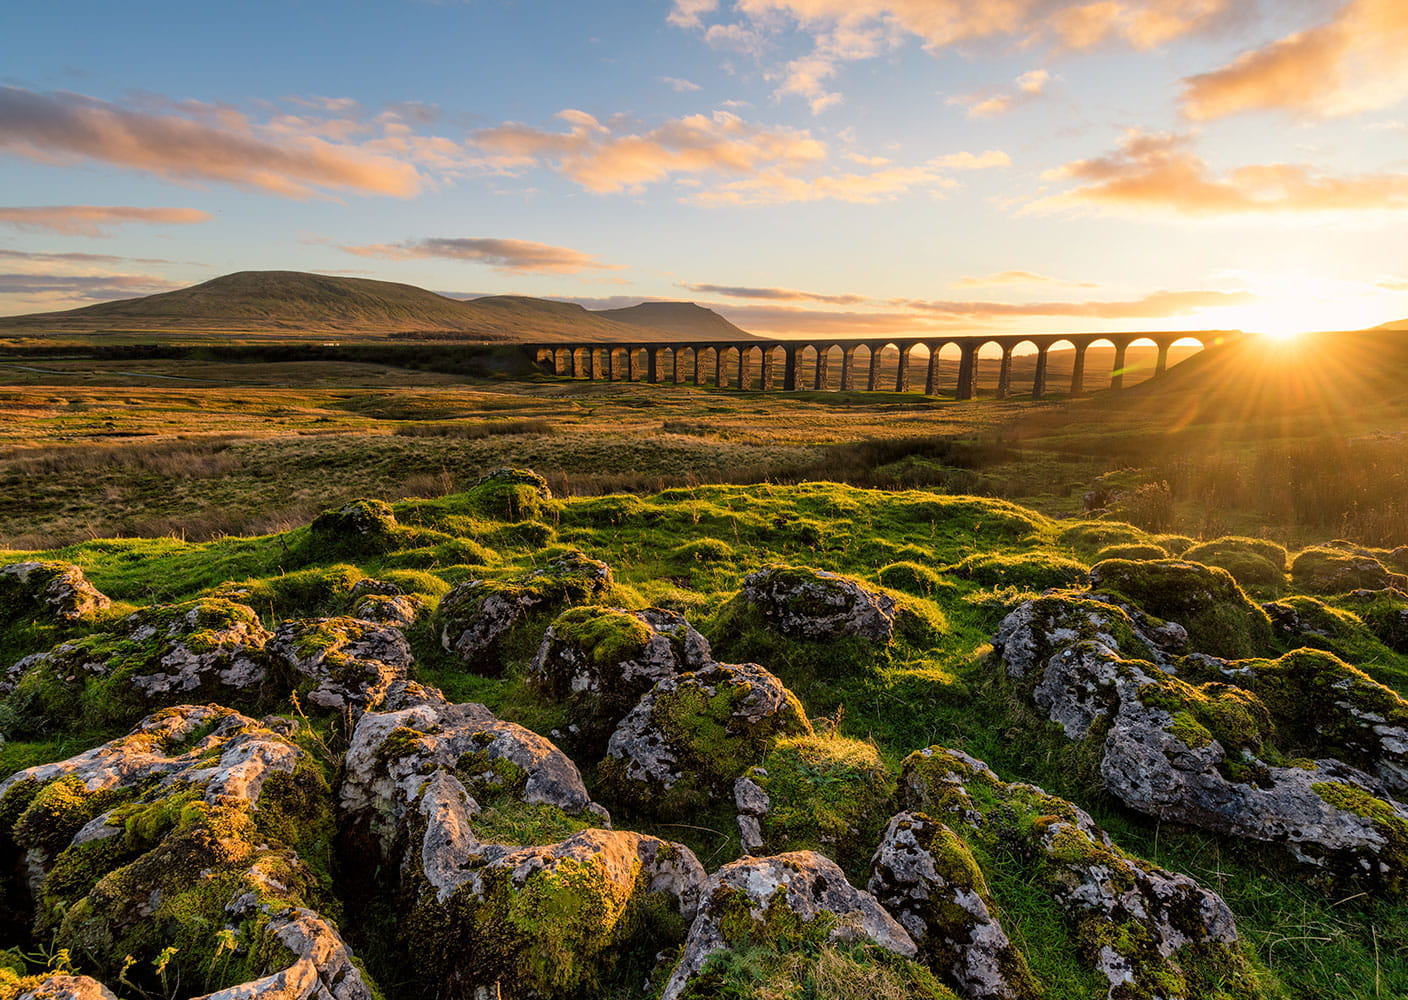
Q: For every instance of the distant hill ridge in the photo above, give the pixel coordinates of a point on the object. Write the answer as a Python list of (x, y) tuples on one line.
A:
[(295, 301)]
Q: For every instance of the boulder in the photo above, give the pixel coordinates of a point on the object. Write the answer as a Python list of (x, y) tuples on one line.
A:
[(925, 876), (600, 661), (504, 883), (816, 604), (1131, 921), (475, 618), (1035, 630), (509, 494), (344, 662), (61, 987), (398, 611), (364, 526), (782, 900), (1336, 571), (48, 591), (206, 648), (200, 818), (1205, 600), (693, 734)]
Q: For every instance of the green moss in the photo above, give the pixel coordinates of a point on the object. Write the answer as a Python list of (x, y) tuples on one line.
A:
[(58, 811), (1088, 537), (300, 592), (510, 495), (826, 793), (604, 635), (822, 971), (1028, 570), (1137, 551), (1205, 600), (1334, 571), (913, 578), (359, 526), (703, 550)]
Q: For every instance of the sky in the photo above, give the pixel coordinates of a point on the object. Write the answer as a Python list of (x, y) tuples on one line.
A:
[(805, 167)]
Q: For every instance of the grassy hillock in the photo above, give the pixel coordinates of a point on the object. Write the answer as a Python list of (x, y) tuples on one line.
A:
[(953, 566)]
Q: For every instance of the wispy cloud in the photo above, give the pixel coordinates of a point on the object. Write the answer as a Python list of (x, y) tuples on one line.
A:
[(80, 288), (991, 103), (197, 143), (1353, 62), (1018, 278), (1161, 173), (1156, 305), (94, 220), (774, 294), (616, 156), (508, 256), (77, 258), (844, 31), (679, 85)]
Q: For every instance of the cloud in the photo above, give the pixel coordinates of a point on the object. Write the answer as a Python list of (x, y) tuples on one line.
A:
[(1352, 63), (1019, 278), (1159, 172), (678, 85), (73, 288), (1393, 284), (612, 157), (777, 294), (507, 256), (989, 104), (94, 220), (201, 143), (1156, 305), (887, 183), (77, 258), (849, 30)]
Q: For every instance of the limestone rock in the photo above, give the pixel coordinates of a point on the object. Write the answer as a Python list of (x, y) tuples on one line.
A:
[(60, 987), (928, 880), (1035, 630), (816, 604), (1130, 919), (358, 526), (397, 610), (164, 834), (164, 653), (693, 734), (800, 888), (350, 662), (600, 661), (475, 617), (48, 590), (1333, 571)]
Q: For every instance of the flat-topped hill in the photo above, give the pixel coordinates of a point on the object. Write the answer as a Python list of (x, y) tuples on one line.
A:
[(294, 301)]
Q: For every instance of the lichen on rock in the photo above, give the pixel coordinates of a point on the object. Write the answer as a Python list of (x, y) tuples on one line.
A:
[(341, 662), (693, 734), (600, 661), (48, 590), (817, 604), (475, 618)]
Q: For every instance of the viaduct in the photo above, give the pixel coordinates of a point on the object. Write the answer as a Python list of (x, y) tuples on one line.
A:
[(732, 362)]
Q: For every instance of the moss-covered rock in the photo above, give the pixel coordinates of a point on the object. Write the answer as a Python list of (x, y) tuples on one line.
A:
[(913, 578), (1209, 553), (1205, 600), (1308, 621), (1147, 931), (1385, 614), (159, 655), (1336, 571), (1089, 537), (340, 663), (821, 792), (47, 591), (927, 878), (1137, 551), (693, 734), (474, 620), (600, 661), (816, 604), (55, 986), (782, 903), (358, 526), (508, 494), (201, 820), (1037, 630)]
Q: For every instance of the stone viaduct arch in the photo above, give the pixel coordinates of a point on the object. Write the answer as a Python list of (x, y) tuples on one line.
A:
[(792, 365)]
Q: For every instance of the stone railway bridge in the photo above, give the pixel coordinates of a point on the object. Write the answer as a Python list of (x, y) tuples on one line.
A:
[(732, 362)]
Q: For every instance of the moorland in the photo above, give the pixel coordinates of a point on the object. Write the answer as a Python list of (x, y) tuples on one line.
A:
[(347, 556)]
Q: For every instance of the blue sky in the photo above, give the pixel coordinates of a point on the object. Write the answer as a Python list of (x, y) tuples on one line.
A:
[(859, 166)]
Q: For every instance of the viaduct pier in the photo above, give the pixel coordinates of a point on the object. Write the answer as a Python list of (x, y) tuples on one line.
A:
[(792, 365)]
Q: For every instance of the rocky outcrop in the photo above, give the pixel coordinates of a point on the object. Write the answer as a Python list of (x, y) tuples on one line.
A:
[(693, 734), (1197, 753), (201, 818), (1131, 920), (344, 662), (48, 591), (600, 661), (816, 604), (158, 655), (366, 526), (63, 987), (925, 876), (1335, 571), (475, 618), (510, 494), (780, 900), (488, 825)]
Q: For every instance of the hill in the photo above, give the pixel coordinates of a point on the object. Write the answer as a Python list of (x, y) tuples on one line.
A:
[(685, 318), (293, 301), (1398, 324)]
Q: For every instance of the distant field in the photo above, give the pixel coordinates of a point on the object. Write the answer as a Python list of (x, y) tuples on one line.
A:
[(200, 449)]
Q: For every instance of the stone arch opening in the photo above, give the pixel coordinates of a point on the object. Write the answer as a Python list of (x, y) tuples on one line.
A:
[(1179, 349), (987, 368), (1060, 366), (856, 366)]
